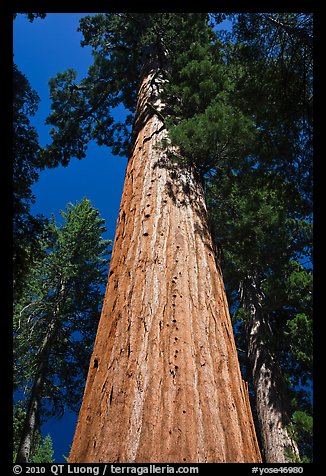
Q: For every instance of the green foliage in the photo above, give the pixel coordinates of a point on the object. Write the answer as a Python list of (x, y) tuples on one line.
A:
[(277, 89), (204, 121), (207, 136), (299, 331), (301, 427), (43, 453), (64, 291), (258, 212), (85, 111), (32, 16)]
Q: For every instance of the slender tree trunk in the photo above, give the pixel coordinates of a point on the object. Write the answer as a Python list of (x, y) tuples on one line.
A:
[(164, 383), (32, 416), (31, 422), (272, 401)]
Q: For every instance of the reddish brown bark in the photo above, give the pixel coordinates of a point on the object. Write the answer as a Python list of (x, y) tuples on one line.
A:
[(164, 383)]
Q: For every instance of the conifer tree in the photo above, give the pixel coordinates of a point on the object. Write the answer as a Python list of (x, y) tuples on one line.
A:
[(55, 319)]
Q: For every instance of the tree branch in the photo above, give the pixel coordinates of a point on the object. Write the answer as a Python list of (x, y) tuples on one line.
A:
[(298, 32)]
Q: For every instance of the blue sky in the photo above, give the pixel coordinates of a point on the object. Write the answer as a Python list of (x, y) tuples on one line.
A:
[(41, 50)]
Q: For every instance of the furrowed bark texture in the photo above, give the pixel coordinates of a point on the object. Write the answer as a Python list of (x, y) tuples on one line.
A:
[(164, 383), (272, 401)]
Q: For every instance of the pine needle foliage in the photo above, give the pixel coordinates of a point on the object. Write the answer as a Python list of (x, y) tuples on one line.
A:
[(60, 304)]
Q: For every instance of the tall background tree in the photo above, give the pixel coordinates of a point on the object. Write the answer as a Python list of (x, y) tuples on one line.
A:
[(277, 50), (56, 316)]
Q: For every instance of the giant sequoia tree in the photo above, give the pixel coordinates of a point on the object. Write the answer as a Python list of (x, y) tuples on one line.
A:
[(164, 383)]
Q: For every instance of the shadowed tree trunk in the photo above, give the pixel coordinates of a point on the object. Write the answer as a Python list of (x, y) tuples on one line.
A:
[(272, 401), (32, 419), (31, 422), (164, 383)]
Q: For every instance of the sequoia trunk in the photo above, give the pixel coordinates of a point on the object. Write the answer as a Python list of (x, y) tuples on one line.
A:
[(164, 383), (272, 401)]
